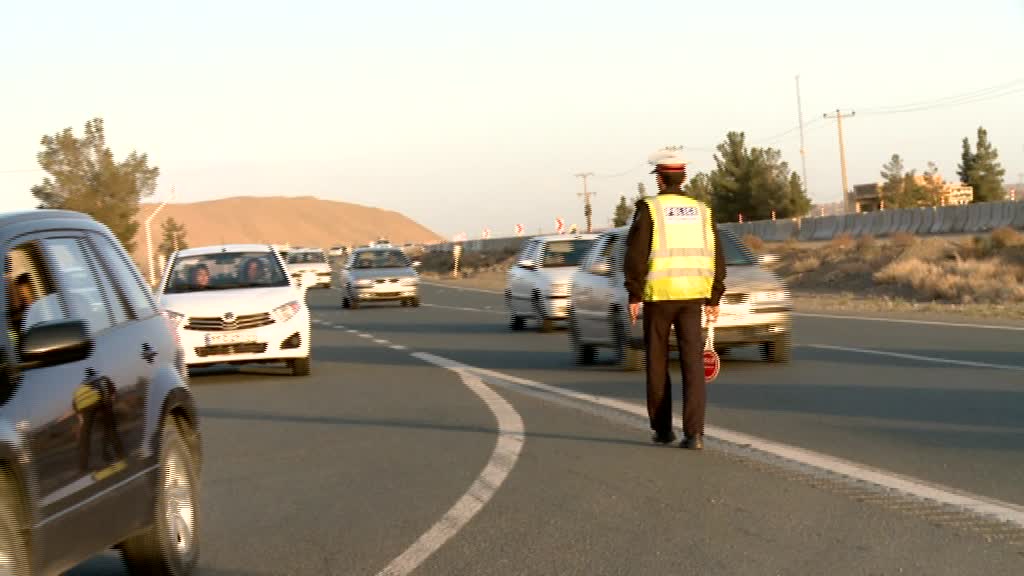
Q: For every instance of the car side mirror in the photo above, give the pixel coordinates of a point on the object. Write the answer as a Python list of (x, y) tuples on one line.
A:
[(55, 342), (601, 268), (767, 258), (416, 263)]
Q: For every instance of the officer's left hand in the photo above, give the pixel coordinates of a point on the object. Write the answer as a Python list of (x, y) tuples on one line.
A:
[(634, 311)]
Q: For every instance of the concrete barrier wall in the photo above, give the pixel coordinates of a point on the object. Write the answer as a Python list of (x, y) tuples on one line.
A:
[(969, 219)]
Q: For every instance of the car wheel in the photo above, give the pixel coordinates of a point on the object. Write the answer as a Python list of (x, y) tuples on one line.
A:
[(345, 303), (415, 302), (626, 357), (514, 322), (582, 354), (13, 546), (546, 324), (404, 303), (170, 546), (353, 303), (778, 350), (300, 366)]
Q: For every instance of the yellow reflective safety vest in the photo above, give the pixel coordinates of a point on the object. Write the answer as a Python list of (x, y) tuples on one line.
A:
[(682, 261)]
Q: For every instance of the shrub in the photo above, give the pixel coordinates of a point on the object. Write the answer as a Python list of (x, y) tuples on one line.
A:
[(1005, 237), (806, 264), (903, 239), (753, 242), (957, 281), (866, 242), (843, 241)]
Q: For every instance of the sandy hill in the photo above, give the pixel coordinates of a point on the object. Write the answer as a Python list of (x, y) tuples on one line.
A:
[(299, 221)]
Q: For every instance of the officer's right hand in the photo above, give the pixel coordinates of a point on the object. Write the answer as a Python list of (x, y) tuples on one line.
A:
[(711, 313), (634, 311)]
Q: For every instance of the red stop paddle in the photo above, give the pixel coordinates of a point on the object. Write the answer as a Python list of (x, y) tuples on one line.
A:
[(712, 364)]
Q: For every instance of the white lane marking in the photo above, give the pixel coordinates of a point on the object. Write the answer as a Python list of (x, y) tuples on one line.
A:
[(916, 357), (462, 308), (511, 436), (1005, 511), (350, 331), (902, 321), (379, 341), (438, 285), (364, 335), (398, 347)]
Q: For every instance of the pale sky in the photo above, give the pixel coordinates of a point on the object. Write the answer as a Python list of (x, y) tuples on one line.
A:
[(465, 115)]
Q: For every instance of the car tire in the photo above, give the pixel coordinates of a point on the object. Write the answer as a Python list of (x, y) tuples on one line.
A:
[(345, 303), (545, 324), (514, 322), (582, 354), (626, 357), (415, 302), (778, 351), (405, 303), (300, 366), (170, 546), (13, 545)]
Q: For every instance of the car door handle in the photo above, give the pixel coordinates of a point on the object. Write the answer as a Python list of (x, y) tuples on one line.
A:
[(148, 353)]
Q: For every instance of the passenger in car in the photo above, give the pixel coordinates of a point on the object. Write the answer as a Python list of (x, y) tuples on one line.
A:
[(200, 276), (254, 271)]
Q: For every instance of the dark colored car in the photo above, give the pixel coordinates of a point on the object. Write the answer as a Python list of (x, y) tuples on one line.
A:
[(99, 437)]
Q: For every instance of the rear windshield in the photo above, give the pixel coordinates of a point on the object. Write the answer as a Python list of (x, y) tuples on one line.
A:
[(306, 258), (565, 252), (380, 259), (225, 271)]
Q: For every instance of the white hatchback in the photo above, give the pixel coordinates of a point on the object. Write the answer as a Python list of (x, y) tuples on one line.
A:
[(302, 262), (538, 284), (236, 304)]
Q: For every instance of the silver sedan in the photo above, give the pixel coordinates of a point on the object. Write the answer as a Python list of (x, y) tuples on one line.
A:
[(379, 274)]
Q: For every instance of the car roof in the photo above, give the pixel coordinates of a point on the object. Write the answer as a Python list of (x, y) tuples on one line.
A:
[(19, 216), (225, 248), (306, 250), (377, 249)]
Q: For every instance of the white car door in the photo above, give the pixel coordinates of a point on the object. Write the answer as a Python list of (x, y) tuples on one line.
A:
[(604, 275), (517, 282), (584, 298)]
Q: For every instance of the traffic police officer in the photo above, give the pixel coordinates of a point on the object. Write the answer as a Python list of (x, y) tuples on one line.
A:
[(674, 268)]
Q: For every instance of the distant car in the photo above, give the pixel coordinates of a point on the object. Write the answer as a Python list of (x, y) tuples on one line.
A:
[(337, 251), (309, 260), (537, 285), (235, 304), (379, 274), (755, 308), (99, 432)]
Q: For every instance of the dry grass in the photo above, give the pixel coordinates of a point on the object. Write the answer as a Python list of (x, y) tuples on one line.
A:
[(806, 264), (1005, 237), (753, 242), (903, 239), (963, 281), (842, 241)]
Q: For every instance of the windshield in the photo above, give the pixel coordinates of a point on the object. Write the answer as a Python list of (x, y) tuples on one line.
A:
[(306, 258), (735, 253), (381, 259), (565, 252), (225, 271)]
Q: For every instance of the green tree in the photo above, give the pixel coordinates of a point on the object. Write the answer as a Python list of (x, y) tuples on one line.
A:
[(753, 182), (933, 185), (986, 174), (622, 213), (173, 237), (641, 192), (699, 188), (84, 177), (892, 181), (966, 162)]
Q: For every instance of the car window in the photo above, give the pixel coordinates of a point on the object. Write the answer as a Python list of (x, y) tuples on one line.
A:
[(735, 253), (115, 303), (78, 282), (595, 248), (135, 291), (225, 271), (306, 258), (618, 251), (561, 253), (380, 259), (30, 291)]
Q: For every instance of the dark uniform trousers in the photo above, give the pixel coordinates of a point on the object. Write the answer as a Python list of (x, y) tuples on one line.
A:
[(658, 320)]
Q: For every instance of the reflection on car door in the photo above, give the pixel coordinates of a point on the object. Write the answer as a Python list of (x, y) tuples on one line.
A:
[(583, 297), (518, 283), (599, 319)]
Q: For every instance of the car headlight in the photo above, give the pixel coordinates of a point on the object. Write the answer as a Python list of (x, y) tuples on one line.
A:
[(364, 283), (410, 281), (285, 312), (770, 296)]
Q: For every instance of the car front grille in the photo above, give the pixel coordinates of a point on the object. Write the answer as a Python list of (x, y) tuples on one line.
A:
[(228, 349), (735, 298), (215, 324)]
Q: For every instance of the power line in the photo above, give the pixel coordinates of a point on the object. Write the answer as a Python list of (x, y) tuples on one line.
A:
[(997, 91), (21, 171)]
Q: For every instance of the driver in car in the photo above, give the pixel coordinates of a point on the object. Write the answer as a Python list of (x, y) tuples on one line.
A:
[(254, 271), (200, 276)]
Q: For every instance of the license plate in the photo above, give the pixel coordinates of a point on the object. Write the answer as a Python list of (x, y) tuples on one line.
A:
[(217, 339)]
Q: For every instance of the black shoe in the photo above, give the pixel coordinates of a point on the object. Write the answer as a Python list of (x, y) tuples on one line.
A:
[(693, 442), (668, 438)]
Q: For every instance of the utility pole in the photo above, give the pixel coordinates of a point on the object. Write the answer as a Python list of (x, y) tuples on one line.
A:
[(149, 237), (842, 154), (803, 151), (586, 197)]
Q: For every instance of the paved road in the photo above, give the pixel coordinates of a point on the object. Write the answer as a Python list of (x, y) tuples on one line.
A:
[(343, 471)]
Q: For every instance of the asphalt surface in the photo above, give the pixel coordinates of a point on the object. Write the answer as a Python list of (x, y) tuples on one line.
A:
[(340, 472)]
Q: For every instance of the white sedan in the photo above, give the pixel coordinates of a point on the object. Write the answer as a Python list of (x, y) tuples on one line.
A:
[(236, 304)]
